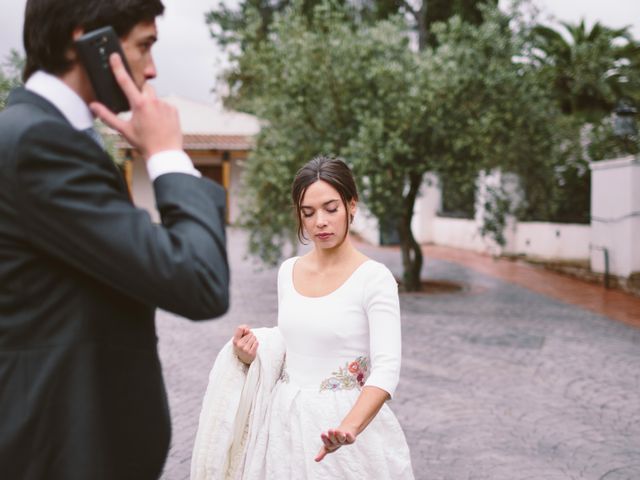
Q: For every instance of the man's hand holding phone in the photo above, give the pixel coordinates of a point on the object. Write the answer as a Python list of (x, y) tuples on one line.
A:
[(154, 125)]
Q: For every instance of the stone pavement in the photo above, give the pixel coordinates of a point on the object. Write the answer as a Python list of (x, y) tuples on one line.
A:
[(499, 382)]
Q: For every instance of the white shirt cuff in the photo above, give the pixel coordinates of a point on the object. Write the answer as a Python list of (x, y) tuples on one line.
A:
[(170, 161)]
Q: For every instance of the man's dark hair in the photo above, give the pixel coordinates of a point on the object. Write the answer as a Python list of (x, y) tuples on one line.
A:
[(49, 26)]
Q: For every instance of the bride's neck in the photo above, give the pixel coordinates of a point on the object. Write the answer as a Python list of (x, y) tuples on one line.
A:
[(341, 254)]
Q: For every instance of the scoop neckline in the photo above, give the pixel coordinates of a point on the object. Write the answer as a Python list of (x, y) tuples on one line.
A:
[(339, 287)]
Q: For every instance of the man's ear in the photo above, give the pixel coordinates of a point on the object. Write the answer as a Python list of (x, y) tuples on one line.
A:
[(71, 54), (77, 33)]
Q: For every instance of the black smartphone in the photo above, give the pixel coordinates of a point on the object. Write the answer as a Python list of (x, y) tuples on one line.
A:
[(94, 49)]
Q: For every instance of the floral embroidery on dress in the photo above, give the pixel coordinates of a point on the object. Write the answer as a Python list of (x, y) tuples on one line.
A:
[(352, 375)]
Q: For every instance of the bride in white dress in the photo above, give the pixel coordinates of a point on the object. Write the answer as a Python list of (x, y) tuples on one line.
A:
[(326, 416)]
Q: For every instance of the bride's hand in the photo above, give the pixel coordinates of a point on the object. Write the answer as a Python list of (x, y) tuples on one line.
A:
[(333, 439), (245, 344)]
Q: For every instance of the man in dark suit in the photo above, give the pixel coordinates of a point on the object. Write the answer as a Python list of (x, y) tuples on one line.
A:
[(81, 269)]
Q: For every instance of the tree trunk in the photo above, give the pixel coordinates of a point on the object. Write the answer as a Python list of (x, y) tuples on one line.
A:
[(423, 32), (411, 251)]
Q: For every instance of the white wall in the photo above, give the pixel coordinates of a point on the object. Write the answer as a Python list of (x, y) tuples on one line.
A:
[(615, 215), (427, 206), (553, 240), (459, 233), (504, 185)]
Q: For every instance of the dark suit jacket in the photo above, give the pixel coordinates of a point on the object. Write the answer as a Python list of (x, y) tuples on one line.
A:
[(81, 273)]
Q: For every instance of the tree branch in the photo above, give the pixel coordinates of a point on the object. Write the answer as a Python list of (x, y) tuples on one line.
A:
[(411, 10)]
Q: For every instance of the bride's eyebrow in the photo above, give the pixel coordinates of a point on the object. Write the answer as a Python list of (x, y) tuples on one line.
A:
[(324, 204)]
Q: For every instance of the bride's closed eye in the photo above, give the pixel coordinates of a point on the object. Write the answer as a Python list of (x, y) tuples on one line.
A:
[(329, 210)]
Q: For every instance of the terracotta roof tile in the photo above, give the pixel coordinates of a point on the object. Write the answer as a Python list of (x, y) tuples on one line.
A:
[(205, 142)]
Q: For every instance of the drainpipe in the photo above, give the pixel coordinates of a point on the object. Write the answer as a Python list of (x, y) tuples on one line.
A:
[(606, 267), (605, 252)]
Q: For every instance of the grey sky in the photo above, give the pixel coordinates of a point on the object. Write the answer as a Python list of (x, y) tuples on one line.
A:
[(188, 60)]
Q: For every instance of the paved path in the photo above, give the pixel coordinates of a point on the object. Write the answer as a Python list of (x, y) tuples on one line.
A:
[(499, 382)]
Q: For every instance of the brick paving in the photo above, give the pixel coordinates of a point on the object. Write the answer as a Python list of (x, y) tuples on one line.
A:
[(609, 302), (501, 381)]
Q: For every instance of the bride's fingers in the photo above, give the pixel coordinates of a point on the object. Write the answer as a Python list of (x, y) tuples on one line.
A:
[(330, 441), (345, 438), (245, 339), (321, 454), (239, 333), (338, 437)]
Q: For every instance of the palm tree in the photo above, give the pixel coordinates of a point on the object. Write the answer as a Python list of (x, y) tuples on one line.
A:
[(591, 70)]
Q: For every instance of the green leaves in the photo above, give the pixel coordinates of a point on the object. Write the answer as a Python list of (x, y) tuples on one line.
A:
[(10, 75), (326, 79), (590, 69), (325, 85)]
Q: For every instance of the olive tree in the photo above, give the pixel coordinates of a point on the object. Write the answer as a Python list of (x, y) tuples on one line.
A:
[(393, 111)]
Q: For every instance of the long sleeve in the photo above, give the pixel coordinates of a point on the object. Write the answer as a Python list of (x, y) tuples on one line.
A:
[(73, 206), (385, 343)]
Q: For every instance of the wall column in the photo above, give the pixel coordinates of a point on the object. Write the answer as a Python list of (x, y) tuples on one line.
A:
[(615, 216)]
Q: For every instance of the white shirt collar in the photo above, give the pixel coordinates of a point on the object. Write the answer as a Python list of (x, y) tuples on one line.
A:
[(63, 97)]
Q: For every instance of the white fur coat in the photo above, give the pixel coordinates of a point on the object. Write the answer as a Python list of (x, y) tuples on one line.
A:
[(234, 406)]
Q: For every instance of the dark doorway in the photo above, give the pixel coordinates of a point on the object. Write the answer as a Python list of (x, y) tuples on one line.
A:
[(212, 172)]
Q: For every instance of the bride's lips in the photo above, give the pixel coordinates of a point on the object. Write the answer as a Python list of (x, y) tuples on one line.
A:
[(324, 236)]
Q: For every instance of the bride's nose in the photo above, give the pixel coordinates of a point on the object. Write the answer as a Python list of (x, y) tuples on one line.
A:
[(321, 219)]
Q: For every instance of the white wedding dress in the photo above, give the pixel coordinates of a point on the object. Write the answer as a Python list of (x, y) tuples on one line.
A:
[(335, 345)]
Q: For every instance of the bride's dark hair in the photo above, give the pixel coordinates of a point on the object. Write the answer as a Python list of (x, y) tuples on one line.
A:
[(332, 170)]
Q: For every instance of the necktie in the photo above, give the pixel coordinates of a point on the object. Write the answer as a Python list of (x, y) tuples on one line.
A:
[(95, 136)]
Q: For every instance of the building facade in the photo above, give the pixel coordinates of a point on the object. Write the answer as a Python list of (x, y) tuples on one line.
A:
[(217, 140)]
